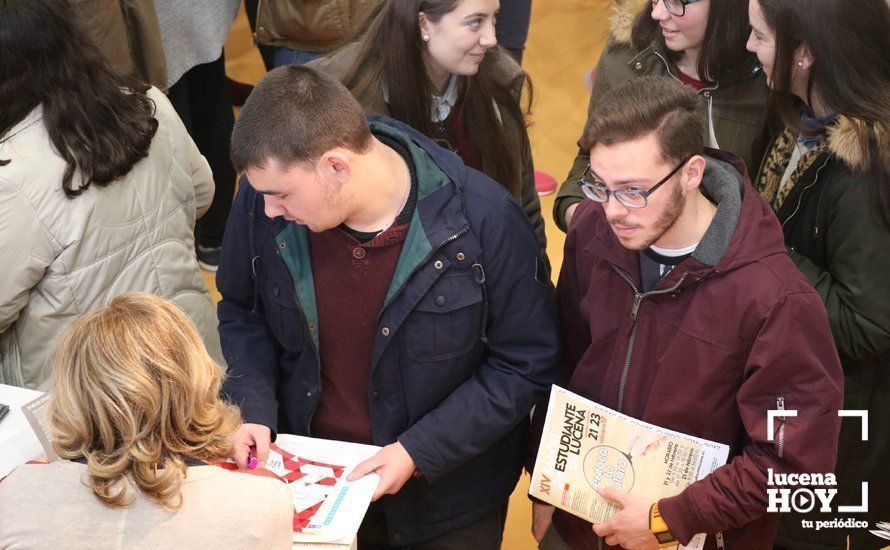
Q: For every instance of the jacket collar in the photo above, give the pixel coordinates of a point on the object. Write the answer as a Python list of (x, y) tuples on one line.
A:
[(655, 53), (844, 142), (621, 22)]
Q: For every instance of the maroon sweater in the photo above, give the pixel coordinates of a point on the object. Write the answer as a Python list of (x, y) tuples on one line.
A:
[(458, 136), (352, 272), (351, 280)]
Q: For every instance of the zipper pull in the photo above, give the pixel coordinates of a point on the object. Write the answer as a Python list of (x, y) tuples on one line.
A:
[(479, 273), (638, 297), (256, 291), (780, 405), (480, 278)]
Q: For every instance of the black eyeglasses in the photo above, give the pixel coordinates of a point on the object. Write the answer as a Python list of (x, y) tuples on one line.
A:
[(630, 197), (676, 7)]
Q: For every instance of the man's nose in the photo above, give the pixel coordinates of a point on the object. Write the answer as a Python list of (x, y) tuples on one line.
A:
[(271, 208), (614, 209)]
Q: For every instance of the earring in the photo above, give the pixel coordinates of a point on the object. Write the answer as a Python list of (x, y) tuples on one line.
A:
[(426, 38), (800, 63)]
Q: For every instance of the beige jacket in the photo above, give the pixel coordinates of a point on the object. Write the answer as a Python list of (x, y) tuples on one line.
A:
[(61, 258), (51, 506), (317, 26)]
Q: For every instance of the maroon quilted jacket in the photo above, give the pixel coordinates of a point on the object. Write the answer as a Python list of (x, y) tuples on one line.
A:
[(733, 331)]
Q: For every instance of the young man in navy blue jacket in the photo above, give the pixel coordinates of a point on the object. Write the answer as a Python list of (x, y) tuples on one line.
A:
[(376, 290)]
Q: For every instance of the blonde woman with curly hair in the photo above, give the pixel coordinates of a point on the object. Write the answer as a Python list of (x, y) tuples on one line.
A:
[(136, 418)]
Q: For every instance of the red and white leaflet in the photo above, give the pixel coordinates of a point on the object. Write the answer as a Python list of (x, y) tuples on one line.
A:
[(328, 510)]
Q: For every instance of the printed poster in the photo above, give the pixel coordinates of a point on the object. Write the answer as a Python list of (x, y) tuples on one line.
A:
[(585, 446)]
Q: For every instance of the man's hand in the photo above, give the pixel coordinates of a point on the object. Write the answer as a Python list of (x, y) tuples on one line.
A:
[(542, 517), (250, 436), (394, 466), (629, 528)]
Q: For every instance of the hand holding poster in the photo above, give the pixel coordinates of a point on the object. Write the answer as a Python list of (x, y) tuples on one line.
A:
[(585, 447)]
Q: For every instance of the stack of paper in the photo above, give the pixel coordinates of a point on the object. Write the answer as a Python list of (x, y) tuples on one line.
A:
[(18, 442)]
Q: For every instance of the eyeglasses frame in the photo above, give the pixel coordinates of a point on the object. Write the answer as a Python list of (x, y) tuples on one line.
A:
[(683, 3), (586, 185)]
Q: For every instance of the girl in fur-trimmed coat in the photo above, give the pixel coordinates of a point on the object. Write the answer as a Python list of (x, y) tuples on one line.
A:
[(827, 176)]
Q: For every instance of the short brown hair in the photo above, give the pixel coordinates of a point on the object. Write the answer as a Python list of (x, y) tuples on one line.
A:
[(648, 104), (296, 114)]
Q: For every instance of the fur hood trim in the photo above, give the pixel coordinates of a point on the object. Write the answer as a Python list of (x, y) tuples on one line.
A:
[(624, 12), (843, 141)]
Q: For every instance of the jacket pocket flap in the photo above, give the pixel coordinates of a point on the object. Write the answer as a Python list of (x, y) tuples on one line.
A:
[(450, 293)]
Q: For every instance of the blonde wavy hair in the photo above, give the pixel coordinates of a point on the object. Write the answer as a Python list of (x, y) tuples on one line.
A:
[(137, 395)]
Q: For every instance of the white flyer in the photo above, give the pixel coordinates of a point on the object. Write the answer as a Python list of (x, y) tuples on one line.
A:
[(328, 509)]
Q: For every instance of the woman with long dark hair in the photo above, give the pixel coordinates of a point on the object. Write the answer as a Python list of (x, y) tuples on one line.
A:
[(827, 175), (100, 186), (698, 42), (435, 65)]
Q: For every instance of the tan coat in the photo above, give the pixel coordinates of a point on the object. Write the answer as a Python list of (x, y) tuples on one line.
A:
[(64, 257), (127, 34), (317, 26)]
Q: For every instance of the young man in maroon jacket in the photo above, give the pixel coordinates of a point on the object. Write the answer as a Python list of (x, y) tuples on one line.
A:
[(680, 307)]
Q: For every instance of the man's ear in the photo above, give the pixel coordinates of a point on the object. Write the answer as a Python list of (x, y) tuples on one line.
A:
[(336, 166), (693, 172)]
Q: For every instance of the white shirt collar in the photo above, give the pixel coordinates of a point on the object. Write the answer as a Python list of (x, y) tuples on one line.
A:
[(442, 104)]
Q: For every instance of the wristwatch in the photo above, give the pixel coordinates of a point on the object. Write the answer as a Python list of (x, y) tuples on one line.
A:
[(660, 529)]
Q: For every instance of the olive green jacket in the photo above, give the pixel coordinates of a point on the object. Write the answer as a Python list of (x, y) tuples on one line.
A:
[(734, 107), (507, 72), (836, 237)]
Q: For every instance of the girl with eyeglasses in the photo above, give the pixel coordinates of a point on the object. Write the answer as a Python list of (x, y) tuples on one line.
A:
[(435, 65), (698, 42), (827, 175)]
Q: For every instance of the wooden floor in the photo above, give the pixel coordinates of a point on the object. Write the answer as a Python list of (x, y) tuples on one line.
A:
[(565, 39)]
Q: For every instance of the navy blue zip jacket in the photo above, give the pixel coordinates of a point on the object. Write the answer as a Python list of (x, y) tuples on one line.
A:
[(454, 383)]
